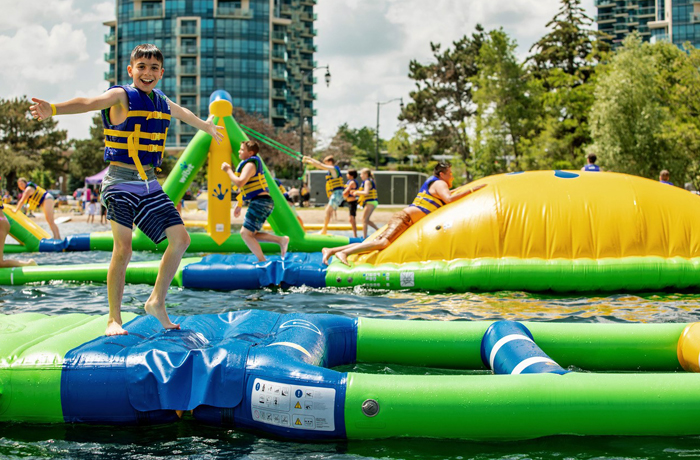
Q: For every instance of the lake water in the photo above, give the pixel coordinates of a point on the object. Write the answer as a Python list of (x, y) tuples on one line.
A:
[(189, 440)]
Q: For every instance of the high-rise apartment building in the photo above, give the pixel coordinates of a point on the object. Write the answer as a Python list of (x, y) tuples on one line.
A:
[(677, 21), (254, 49)]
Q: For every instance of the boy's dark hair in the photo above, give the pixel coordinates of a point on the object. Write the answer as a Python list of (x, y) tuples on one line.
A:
[(329, 158), (252, 146), (592, 157), (148, 51), (441, 167), (352, 173)]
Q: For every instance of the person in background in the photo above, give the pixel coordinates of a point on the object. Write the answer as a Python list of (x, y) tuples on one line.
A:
[(305, 195), (368, 199), (250, 178), (4, 231), (334, 186), (6, 197), (92, 210), (434, 194), (36, 197), (87, 196), (350, 186), (665, 177), (590, 163)]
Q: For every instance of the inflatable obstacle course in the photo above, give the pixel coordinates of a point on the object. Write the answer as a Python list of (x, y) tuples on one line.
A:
[(544, 230), (218, 237), (275, 374)]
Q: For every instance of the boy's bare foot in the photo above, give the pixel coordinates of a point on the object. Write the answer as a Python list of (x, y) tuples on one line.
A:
[(342, 257), (326, 255), (114, 328), (30, 262), (159, 312), (283, 246)]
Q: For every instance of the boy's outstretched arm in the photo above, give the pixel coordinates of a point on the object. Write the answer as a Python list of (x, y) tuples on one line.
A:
[(41, 110), (316, 163), (183, 114)]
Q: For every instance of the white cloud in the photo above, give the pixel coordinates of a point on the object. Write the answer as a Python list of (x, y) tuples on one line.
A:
[(53, 49), (370, 43), (35, 54)]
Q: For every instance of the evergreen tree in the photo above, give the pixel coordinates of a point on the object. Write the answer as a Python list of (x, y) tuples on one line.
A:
[(442, 102), (564, 62), (506, 103)]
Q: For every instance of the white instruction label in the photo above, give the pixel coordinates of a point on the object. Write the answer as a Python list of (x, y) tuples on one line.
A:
[(293, 406), (407, 279)]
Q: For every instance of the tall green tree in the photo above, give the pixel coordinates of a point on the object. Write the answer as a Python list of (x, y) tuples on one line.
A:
[(354, 146), (631, 110), (681, 88), (29, 146), (506, 103), (564, 61), (442, 102)]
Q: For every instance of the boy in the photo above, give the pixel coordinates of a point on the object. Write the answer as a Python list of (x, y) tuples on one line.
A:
[(435, 193), (590, 163), (334, 186), (351, 185), (250, 178), (136, 120), (36, 197)]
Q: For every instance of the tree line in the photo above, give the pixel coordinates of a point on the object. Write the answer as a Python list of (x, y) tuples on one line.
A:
[(636, 108)]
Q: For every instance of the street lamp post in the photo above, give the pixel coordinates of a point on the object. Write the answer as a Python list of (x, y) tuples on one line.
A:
[(379, 104), (304, 73)]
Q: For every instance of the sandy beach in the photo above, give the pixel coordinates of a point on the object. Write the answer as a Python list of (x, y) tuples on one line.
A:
[(380, 216)]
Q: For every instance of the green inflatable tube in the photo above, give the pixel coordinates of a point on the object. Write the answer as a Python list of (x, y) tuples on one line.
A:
[(512, 274)]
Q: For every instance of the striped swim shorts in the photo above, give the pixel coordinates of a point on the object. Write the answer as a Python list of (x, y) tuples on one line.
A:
[(259, 210), (144, 205)]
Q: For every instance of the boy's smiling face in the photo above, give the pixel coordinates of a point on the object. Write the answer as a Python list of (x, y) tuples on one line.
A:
[(146, 73)]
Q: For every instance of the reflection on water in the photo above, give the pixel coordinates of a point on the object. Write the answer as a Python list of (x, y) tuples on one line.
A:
[(189, 440)]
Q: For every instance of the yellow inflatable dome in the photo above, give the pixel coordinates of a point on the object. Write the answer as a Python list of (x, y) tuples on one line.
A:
[(545, 227)]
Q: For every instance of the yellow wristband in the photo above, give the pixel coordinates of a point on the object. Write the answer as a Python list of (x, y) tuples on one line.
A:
[(53, 110)]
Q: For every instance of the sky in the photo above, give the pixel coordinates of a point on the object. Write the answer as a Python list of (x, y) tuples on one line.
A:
[(56, 51)]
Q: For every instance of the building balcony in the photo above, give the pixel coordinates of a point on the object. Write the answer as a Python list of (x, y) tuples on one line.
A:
[(233, 12), (279, 93), (187, 50), (621, 28), (111, 38), (274, 113), (279, 57), (109, 57), (186, 30), (603, 18), (279, 37), (277, 75), (188, 70), (109, 75), (695, 17), (604, 3), (151, 12), (187, 89), (649, 11)]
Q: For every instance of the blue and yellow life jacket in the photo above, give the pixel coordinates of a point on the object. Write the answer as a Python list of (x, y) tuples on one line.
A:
[(257, 184), (590, 167), (332, 183), (372, 195), (424, 200), (37, 198), (140, 139), (352, 198)]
